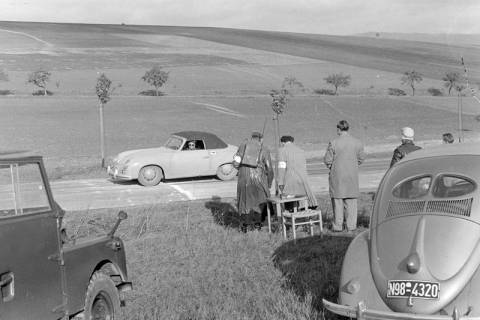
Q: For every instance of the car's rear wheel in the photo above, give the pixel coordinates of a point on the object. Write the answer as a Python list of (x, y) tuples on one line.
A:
[(150, 176), (226, 172), (102, 300)]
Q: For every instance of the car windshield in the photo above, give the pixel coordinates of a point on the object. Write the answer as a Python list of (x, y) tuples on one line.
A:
[(22, 190), (174, 143)]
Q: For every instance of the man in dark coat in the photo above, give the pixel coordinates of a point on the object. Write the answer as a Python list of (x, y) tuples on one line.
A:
[(343, 156), (406, 147), (255, 176)]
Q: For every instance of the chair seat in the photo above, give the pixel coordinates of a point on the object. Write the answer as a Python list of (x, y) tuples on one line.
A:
[(302, 214)]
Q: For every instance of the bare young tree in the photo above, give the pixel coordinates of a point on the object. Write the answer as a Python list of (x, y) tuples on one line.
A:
[(156, 77), (338, 80), (279, 104), (451, 79), (104, 90), (40, 78), (410, 78)]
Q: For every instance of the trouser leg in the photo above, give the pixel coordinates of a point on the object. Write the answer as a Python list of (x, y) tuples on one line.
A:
[(351, 213), (337, 205)]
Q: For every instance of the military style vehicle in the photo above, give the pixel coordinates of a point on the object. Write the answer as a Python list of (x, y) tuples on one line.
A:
[(420, 259), (41, 275)]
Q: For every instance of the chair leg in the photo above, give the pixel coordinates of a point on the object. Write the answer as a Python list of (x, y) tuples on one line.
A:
[(320, 218), (311, 227), (294, 227), (284, 228)]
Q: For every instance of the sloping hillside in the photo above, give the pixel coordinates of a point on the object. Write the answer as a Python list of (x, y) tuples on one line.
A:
[(391, 55)]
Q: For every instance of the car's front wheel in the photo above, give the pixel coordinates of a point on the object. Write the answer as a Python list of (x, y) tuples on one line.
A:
[(226, 172), (102, 300), (150, 176)]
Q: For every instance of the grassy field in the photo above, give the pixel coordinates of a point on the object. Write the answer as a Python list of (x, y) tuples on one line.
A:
[(189, 261), (65, 129)]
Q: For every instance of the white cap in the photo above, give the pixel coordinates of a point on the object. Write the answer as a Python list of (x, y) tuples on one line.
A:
[(407, 133)]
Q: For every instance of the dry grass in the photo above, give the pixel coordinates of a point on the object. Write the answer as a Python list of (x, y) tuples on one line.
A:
[(186, 263)]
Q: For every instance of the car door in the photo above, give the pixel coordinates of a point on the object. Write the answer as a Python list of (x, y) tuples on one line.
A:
[(30, 276), (191, 163)]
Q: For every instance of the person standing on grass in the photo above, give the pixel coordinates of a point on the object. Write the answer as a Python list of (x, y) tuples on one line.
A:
[(406, 147), (343, 156), (292, 171), (255, 176)]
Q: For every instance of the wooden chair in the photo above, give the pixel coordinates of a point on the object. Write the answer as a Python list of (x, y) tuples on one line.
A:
[(299, 218)]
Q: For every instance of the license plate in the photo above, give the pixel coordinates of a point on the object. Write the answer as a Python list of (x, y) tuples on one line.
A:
[(414, 289)]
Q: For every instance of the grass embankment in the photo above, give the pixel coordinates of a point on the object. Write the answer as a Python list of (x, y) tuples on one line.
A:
[(189, 261)]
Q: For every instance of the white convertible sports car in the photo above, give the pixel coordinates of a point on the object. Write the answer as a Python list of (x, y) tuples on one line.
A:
[(185, 154)]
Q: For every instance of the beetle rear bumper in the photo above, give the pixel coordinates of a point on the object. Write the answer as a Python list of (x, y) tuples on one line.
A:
[(361, 312)]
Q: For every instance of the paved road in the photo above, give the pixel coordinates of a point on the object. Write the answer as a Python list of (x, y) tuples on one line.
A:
[(101, 193)]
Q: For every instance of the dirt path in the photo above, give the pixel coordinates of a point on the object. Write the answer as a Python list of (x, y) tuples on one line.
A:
[(92, 194)]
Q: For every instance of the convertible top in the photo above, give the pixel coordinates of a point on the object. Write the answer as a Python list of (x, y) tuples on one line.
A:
[(211, 141)]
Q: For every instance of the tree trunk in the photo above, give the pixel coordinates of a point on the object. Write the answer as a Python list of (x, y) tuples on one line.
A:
[(156, 91), (44, 91), (277, 139), (413, 90), (102, 136)]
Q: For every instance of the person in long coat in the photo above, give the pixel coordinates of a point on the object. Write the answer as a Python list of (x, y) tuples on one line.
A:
[(292, 171), (255, 176), (343, 156)]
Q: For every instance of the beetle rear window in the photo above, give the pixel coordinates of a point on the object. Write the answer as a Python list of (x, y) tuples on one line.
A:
[(447, 186), (413, 188)]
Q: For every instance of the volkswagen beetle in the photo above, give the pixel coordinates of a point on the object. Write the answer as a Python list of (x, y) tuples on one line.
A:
[(185, 154), (420, 257)]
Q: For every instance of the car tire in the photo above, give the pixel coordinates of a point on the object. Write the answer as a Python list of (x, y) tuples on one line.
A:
[(102, 300), (150, 176), (226, 172)]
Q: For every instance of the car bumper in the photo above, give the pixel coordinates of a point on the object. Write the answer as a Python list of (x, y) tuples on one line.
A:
[(361, 312), (115, 174)]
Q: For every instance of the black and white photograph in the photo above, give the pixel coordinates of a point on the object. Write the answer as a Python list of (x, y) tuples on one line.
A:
[(239, 160)]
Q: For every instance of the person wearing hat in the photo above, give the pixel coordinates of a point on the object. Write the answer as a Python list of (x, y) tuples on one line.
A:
[(406, 147), (343, 156), (255, 176)]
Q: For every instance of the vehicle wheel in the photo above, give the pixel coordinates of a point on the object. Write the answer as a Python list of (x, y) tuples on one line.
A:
[(226, 172), (150, 176), (101, 300)]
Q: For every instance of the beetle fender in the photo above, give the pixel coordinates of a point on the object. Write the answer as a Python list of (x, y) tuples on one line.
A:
[(356, 282)]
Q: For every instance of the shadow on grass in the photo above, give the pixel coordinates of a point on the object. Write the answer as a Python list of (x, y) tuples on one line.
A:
[(312, 266), (224, 213), (151, 93), (6, 92), (42, 93)]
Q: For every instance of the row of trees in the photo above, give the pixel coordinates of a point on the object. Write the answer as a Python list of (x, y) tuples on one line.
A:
[(451, 80), (155, 77)]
